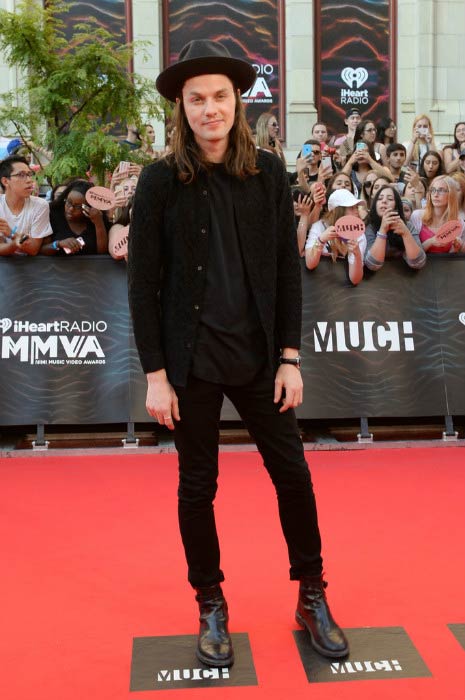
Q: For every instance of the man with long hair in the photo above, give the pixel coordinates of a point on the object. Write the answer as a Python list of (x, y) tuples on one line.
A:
[(215, 297)]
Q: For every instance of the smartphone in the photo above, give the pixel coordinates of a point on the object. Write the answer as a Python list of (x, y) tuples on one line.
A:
[(360, 146), (423, 130), (326, 162), (81, 242), (23, 238), (306, 150), (124, 166)]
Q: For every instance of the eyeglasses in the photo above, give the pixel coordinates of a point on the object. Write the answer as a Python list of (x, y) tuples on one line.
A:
[(274, 124), (368, 185), (370, 129), (315, 153), (24, 174), (438, 190), (70, 205)]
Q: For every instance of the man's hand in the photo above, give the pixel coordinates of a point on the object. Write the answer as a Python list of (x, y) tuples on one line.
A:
[(162, 402), (289, 380)]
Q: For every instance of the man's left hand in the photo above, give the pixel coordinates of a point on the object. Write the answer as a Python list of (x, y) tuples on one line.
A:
[(289, 380)]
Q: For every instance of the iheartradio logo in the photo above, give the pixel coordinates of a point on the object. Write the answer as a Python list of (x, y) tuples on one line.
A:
[(354, 78), (5, 324)]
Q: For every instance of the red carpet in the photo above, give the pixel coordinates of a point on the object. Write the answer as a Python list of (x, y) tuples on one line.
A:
[(91, 558)]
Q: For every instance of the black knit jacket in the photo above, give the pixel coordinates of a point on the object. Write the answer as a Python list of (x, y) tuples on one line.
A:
[(168, 258)]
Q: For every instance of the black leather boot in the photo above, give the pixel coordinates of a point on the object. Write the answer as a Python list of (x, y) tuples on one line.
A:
[(313, 614), (214, 646)]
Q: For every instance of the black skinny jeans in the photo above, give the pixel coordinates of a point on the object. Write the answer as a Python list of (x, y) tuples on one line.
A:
[(277, 438)]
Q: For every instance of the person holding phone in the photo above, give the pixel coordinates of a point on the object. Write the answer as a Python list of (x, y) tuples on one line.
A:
[(309, 166), (389, 235), (345, 145), (24, 218), (421, 142), (323, 240), (78, 228), (364, 158)]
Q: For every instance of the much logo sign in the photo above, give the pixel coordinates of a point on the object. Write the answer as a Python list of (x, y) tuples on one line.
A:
[(365, 336)]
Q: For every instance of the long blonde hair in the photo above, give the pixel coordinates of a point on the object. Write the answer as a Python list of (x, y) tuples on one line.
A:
[(452, 209), (416, 147), (262, 138), (241, 155)]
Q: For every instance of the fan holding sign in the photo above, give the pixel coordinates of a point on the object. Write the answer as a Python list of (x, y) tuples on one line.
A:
[(339, 235), (439, 225)]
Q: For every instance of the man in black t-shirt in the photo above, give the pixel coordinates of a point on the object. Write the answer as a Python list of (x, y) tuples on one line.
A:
[(215, 297)]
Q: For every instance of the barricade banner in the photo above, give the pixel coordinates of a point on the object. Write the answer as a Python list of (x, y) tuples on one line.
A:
[(64, 341), (394, 346)]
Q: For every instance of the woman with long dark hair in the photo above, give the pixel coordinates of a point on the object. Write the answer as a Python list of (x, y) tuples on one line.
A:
[(388, 235), (364, 158), (431, 166), (386, 131), (453, 151)]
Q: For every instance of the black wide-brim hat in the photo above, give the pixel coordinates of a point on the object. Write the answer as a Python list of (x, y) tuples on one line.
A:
[(202, 57)]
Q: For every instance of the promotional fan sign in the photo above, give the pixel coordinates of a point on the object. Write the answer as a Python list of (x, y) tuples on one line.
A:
[(120, 244), (449, 231), (100, 198), (349, 227)]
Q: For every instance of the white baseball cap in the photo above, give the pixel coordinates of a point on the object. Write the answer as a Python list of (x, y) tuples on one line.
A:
[(342, 198)]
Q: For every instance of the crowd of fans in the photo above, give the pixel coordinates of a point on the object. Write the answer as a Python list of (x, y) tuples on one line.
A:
[(403, 192)]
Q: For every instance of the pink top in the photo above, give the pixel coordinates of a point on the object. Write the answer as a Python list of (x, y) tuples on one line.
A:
[(426, 233)]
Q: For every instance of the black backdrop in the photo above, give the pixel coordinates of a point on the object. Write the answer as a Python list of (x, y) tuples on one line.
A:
[(393, 346)]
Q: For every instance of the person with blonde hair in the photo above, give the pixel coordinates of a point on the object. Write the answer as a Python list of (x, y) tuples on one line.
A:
[(421, 142), (442, 205), (266, 136), (459, 179)]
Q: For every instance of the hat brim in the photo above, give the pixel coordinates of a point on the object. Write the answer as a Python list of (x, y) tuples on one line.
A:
[(170, 81)]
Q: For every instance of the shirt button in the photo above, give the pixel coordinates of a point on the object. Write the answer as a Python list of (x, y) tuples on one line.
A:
[(204, 192), (196, 307), (203, 230), (188, 345), (199, 268)]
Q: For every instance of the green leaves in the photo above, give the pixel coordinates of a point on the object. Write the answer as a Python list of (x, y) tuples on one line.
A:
[(76, 89)]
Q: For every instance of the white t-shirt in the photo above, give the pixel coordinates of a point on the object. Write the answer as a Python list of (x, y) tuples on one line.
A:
[(33, 220), (319, 227)]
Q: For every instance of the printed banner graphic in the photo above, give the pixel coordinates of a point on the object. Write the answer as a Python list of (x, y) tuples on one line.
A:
[(392, 346), (250, 30), (458, 630), (163, 663), (354, 60), (375, 653)]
